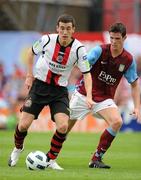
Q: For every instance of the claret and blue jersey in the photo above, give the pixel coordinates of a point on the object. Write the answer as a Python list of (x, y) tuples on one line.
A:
[(107, 72)]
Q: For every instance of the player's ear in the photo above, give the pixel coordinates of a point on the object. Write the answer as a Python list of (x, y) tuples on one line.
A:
[(73, 29)]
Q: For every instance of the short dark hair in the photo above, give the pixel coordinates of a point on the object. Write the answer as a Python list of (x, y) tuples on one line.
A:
[(118, 28), (66, 18)]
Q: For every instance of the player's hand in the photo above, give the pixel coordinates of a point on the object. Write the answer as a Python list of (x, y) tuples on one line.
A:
[(89, 102), (28, 82), (137, 115)]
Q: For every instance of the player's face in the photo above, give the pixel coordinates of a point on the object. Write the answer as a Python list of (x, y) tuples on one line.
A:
[(65, 31), (117, 41)]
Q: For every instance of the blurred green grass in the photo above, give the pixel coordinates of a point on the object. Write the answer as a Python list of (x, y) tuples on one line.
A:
[(124, 156)]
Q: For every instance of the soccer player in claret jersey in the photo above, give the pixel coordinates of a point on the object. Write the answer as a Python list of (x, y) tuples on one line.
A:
[(109, 63), (47, 85)]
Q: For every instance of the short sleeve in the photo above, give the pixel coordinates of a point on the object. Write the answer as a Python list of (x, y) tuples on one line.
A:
[(131, 73), (39, 44), (83, 62), (94, 54)]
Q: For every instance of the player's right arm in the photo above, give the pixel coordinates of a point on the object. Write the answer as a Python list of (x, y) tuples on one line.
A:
[(36, 49), (29, 75), (84, 66), (132, 78)]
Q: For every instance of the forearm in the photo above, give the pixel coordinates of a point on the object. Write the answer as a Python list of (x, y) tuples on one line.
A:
[(29, 75), (88, 84), (136, 94), (30, 62)]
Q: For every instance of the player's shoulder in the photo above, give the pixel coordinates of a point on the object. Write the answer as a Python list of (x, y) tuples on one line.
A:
[(49, 36), (105, 46), (53, 35), (127, 54), (77, 45)]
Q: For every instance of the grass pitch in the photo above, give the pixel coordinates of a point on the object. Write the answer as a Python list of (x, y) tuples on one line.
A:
[(124, 156)]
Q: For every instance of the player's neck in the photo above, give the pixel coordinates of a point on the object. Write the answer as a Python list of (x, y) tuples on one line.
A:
[(116, 52), (65, 43)]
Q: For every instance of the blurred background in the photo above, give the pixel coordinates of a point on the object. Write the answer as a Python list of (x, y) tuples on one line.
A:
[(22, 22), (90, 15)]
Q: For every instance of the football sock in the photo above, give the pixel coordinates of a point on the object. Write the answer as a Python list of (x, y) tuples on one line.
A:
[(19, 138), (105, 141), (56, 145)]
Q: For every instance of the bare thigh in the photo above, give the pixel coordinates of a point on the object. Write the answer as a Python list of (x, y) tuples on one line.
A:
[(61, 120), (25, 121)]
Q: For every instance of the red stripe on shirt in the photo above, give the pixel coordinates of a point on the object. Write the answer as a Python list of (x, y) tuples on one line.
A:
[(56, 51), (48, 77), (56, 79), (54, 58), (66, 55)]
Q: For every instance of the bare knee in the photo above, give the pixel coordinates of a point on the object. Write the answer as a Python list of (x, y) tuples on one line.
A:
[(22, 127), (62, 128), (117, 123), (61, 121), (25, 121)]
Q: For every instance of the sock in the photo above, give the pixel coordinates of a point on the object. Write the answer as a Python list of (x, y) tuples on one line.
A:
[(19, 138), (105, 141), (56, 145)]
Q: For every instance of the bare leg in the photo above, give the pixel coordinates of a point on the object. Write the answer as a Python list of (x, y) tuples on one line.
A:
[(71, 124), (19, 137), (113, 118)]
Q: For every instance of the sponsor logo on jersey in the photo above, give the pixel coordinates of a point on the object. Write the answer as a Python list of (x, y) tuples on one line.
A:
[(121, 67), (57, 68), (107, 78)]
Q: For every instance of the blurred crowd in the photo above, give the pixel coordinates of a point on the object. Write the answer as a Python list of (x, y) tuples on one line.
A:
[(13, 93)]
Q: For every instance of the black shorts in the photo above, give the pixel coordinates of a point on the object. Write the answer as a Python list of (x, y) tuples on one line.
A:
[(43, 94)]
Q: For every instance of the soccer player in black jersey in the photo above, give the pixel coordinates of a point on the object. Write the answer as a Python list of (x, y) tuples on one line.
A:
[(48, 85)]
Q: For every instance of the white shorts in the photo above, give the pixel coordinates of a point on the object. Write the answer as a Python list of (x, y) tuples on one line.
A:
[(79, 108)]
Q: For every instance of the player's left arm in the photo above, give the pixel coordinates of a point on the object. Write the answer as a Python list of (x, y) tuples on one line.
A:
[(88, 88), (29, 76), (135, 90), (132, 77), (84, 67)]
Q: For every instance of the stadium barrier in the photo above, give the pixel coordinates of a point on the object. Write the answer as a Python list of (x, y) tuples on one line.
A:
[(89, 124)]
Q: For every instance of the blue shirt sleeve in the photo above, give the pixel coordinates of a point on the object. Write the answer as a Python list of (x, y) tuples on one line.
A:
[(94, 54), (131, 73)]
